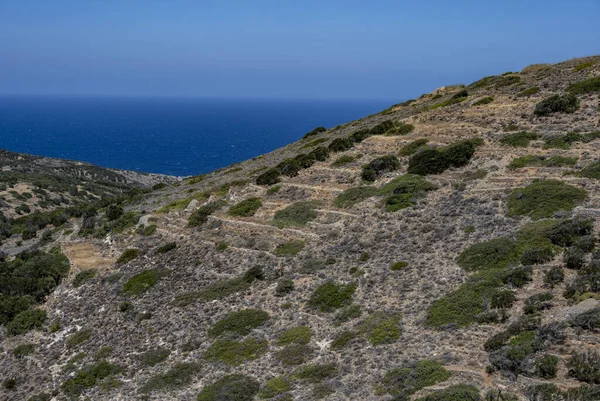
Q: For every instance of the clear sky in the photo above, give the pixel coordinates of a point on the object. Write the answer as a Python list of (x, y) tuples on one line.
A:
[(281, 48)]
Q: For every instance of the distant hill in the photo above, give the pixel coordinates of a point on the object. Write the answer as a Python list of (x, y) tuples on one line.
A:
[(442, 249)]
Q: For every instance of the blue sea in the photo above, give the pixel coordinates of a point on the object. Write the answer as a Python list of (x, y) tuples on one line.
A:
[(177, 136)]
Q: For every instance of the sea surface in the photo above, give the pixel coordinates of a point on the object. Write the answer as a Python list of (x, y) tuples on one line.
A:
[(176, 136)]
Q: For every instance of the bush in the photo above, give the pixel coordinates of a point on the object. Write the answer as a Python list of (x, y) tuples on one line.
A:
[(26, 321), (502, 299), (314, 132), (177, 376), (585, 367), (79, 337), (269, 177), (459, 392), (574, 258), (529, 91), (154, 356), (234, 353), (484, 101), (400, 129), (379, 166), (295, 354), (274, 387), (113, 212), (296, 215), (360, 135), (200, 215), (403, 191), (340, 145), (347, 313), (342, 339), (553, 276), (289, 167), (545, 366), (320, 154), (295, 335), (543, 198), (567, 232), (290, 248), (562, 141), (541, 161), (284, 287), (589, 320), (342, 161), (381, 328), (169, 246), (412, 147), (382, 127), (492, 254), (566, 103), (330, 296), (537, 302), (89, 377), (23, 350), (405, 381), (84, 276), (241, 322), (519, 139), (354, 195), (591, 171), (230, 388), (436, 161), (143, 281), (245, 208), (585, 86), (537, 255), (128, 255), (317, 373), (398, 265)]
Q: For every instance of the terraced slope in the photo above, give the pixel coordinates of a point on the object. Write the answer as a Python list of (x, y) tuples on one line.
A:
[(444, 249)]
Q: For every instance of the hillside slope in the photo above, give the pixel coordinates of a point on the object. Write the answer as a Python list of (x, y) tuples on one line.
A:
[(443, 249)]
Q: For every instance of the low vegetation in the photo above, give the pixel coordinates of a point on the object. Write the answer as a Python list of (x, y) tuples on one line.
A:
[(542, 161), (436, 161), (413, 147), (234, 353), (128, 255), (143, 281), (230, 388), (585, 86), (89, 377), (543, 198), (404, 381), (290, 248), (484, 101), (378, 166), (330, 296), (241, 322), (519, 139), (296, 215), (566, 103), (245, 208), (179, 375)]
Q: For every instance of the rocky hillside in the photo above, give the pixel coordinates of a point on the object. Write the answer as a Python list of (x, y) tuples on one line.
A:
[(443, 249)]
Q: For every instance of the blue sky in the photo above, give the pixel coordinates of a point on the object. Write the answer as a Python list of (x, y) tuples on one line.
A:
[(307, 49)]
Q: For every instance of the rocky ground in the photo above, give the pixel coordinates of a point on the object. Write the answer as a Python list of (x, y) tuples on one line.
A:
[(357, 245)]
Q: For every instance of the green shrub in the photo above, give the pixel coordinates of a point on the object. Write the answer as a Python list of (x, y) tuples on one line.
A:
[(541, 161), (382, 127), (537, 302), (88, 378), (169, 246), (269, 177), (296, 215), (143, 281), (379, 166), (492, 254), (84, 276), (403, 191), (484, 101), (398, 265), (574, 258), (289, 167), (543, 198), (519, 139), (200, 215), (284, 287), (128, 255), (241, 322), (360, 135), (330, 296), (459, 392), (320, 154), (381, 328), (502, 299), (274, 387), (23, 349), (342, 339), (290, 248), (553, 276), (589, 320), (436, 161), (347, 313), (295, 335), (566, 103), (412, 147), (317, 373), (26, 321), (78, 337), (585, 367), (314, 132), (295, 354), (405, 381), (352, 196), (585, 86), (400, 128), (545, 366), (154, 356), (230, 388), (584, 65), (273, 190), (340, 145), (245, 208), (455, 99), (315, 143), (537, 255), (562, 141), (342, 161), (591, 171), (147, 230), (177, 376), (221, 246), (529, 91), (236, 352)]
